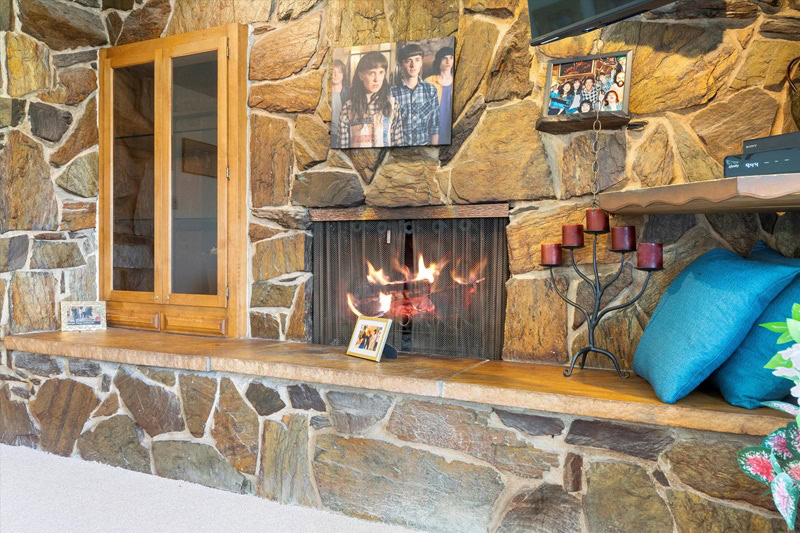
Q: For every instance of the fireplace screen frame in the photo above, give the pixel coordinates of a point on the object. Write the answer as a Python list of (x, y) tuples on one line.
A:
[(342, 248)]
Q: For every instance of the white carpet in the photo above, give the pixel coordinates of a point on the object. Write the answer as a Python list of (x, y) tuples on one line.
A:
[(40, 492)]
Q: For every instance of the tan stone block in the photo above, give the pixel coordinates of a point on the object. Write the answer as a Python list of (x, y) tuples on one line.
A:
[(198, 393), (84, 136), (498, 8), (286, 51), (258, 232), (235, 429), (113, 26), (295, 95), (494, 166), (109, 406), (264, 326), (285, 474), (81, 176), (155, 408), (726, 125), (146, 22), (509, 76), (545, 509), (291, 9), (655, 160), (458, 428), (74, 85), (28, 64), (56, 254), (476, 42), (580, 45), (357, 22), (32, 302), (354, 475), (662, 79), (280, 255), (27, 194), (536, 321), (78, 215), (697, 165), (694, 513), (299, 325), (62, 407), (16, 428), (711, 468), (271, 164), (115, 442), (407, 179), (192, 15), (311, 140), (61, 25), (366, 161), (576, 158), (622, 498), (765, 63), (197, 463), (428, 19)]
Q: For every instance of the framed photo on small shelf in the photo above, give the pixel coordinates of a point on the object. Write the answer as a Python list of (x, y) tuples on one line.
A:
[(83, 316), (577, 87), (199, 158), (369, 338)]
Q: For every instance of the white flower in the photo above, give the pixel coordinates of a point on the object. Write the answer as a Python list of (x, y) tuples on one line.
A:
[(795, 391), (785, 372), (792, 354)]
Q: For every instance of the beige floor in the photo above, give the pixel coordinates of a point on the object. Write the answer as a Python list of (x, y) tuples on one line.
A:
[(40, 492)]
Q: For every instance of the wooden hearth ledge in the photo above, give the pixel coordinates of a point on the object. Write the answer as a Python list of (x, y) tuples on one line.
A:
[(592, 393)]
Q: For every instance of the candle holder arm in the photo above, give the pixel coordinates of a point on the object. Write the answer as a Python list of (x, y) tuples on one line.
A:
[(628, 303), (563, 297), (614, 279), (586, 278)]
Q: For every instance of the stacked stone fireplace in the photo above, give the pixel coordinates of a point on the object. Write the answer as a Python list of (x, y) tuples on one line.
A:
[(441, 282)]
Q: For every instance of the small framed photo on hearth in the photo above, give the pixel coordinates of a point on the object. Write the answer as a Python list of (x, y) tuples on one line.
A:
[(83, 316), (369, 338)]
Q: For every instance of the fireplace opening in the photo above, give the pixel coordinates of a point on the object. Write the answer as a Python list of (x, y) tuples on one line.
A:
[(441, 281)]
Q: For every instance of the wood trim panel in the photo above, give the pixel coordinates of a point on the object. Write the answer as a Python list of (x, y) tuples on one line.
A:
[(401, 213)]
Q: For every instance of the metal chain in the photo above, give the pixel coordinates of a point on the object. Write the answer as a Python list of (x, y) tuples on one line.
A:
[(597, 127)]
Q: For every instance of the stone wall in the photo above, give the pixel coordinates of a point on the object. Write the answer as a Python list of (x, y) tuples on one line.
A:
[(428, 464), (706, 75)]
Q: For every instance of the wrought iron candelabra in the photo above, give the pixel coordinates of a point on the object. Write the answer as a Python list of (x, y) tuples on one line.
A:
[(623, 241)]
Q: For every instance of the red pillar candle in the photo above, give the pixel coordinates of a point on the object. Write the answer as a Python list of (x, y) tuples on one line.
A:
[(623, 238), (596, 220), (572, 235), (551, 254), (650, 256)]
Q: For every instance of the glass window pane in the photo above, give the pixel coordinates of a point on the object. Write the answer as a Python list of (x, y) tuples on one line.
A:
[(133, 178), (194, 174)]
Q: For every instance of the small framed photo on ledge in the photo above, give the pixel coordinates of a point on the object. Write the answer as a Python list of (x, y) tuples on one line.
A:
[(83, 316), (369, 338), (582, 86)]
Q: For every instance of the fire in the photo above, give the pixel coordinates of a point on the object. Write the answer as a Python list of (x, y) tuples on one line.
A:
[(416, 292)]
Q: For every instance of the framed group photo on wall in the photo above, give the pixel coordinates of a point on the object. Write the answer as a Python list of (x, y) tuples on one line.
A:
[(393, 94), (369, 338), (582, 86)]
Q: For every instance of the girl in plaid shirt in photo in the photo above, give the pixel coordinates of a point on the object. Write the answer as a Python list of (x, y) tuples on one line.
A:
[(371, 117)]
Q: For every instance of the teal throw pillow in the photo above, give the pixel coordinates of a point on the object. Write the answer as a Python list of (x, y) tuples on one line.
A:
[(742, 379), (703, 317)]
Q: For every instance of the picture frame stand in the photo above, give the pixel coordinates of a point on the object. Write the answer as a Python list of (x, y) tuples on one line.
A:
[(389, 352)]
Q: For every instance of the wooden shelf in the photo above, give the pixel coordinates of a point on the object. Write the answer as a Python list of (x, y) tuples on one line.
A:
[(768, 193), (408, 213), (558, 124)]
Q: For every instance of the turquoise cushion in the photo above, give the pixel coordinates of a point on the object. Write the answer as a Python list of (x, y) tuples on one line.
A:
[(703, 317), (742, 379)]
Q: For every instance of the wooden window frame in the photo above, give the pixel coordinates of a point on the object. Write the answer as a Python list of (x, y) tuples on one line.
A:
[(225, 313)]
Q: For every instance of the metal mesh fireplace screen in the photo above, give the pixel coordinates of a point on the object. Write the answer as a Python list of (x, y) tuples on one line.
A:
[(441, 281)]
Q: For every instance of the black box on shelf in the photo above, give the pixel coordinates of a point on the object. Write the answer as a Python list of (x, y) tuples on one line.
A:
[(775, 142), (786, 161)]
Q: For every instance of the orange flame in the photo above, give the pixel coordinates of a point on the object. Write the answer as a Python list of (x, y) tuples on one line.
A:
[(386, 303), (429, 273), (475, 275), (377, 276)]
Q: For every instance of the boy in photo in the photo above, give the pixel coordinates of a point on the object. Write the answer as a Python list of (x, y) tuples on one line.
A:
[(417, 100)]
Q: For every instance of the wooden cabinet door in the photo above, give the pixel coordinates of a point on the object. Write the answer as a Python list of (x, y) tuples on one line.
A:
[(195, 173)]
